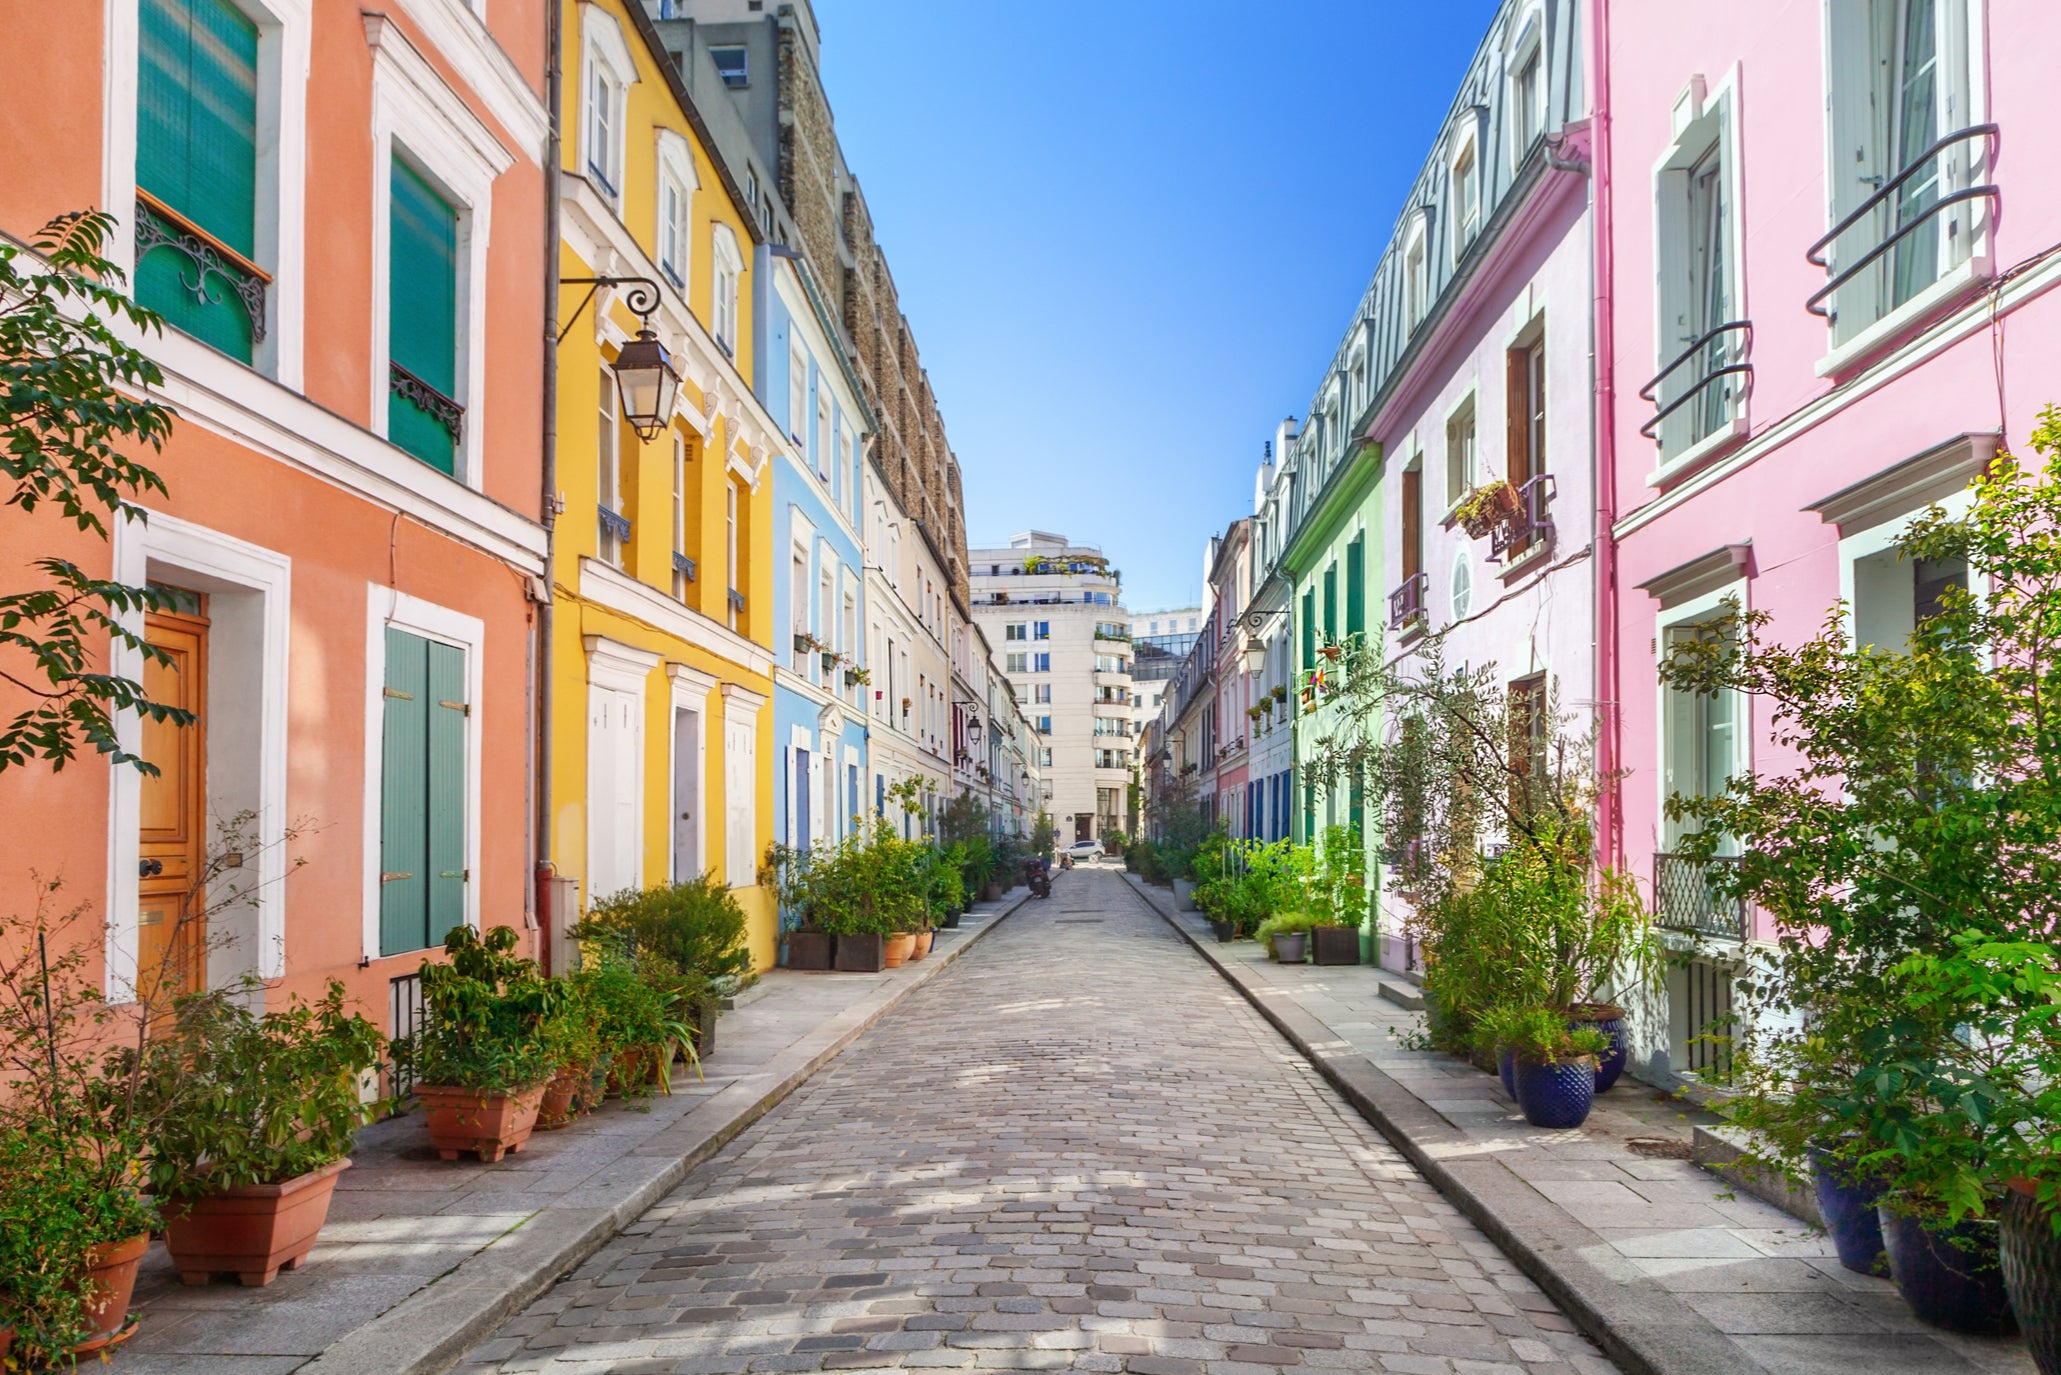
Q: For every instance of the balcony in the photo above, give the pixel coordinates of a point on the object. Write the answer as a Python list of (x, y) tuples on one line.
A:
[(1531, 528), (1406, 603), (1906, 215), (1686, 902), (1716, 354), (191, 295)]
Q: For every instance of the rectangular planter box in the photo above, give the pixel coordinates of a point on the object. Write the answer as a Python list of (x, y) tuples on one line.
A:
[(861, 954), (1335, 944), (808, 950)]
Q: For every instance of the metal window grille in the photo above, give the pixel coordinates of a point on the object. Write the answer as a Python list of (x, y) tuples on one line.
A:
[(405, 1016), (1707, 1008), (1683, 895)]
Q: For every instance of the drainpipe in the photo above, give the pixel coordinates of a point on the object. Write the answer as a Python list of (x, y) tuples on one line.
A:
[(1609, 804), (549, 511)]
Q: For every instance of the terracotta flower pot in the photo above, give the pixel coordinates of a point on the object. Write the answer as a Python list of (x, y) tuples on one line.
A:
[(491, 1124), (6, 1341), (900, 946), (924, 939), (635, 1069), (255, 1230), (560, 1106), (111, 1280)]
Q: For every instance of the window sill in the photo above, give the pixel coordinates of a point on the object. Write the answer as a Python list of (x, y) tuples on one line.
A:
[(1529, 561), (1693, 458), (1906, 321)]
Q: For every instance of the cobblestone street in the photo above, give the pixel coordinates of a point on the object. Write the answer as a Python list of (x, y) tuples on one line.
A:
[(1076, 1149)]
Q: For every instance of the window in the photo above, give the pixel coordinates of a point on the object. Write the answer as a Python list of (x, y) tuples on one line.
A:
[(422, 784), (1702, 745), (1413, 520), (730, 568), (423, 415), (1104, 663), (1892, 595), (798, 606), (1900, 85), (1331, 603), (1356, 586), (1525, 399), (1015, 630), (1045, 756), (1527, 96), (1460, 453), (1694, 395), (732, 65), (729, 269), (608, 497), (797, 397), (1042, 724), (1416, 279), (848, 637), (1016, 663), (675, 202), (819, 442), (1041, 663), (197, 172), (1309, 628), (844, 464), (681, 563), (1466, 198), (608, 72), (1041, 630), (1041, 693), (1527, 723)]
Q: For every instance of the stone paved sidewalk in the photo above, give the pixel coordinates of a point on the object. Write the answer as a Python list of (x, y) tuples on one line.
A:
[(1075, 1150), (1677, 1272), (422, 1257)]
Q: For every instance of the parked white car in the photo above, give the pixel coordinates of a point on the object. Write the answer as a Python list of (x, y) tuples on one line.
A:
[(1084, 849)]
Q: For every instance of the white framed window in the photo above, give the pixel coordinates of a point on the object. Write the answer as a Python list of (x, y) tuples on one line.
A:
[(1703, 738), (1466, 201), (607, 71), (677, 183), (740, 784), (609, 475), (1416, 273), (1016, 630), (1461, 470), (679, 515), (826, 609), (1901, 80), (726, 276), (798, 602), (1042, 693), (1699, 327), (819, 442), (797, 397), (1527, 89), (730, 568), (844, 463), (1888, 595), (1016, 663)]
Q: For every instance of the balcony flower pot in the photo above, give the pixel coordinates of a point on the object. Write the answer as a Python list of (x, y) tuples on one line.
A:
[(1486, 508), (1849, 1207), (1607, 1018), (487, 1124), (1291, 946), (900, 946), (1335, 944), (560, 1105), (1952, 1277), (254, 1231), (1557, 1094), (865, 954), (2032, 1273), (808, 950), (111, 1279)]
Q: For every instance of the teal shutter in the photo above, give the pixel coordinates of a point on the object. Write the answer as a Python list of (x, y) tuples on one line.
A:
[(422, 320), (1356, 586), (196, 151), (1331, 603), (404, 797), (446, 777), (1309, 630)]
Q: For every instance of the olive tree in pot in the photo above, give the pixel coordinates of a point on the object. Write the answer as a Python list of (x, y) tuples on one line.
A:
[(254, 1116), (1902, 1030), (483, 1055)]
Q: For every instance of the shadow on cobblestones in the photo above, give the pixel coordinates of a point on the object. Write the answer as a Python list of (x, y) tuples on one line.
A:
[(1075, 1150)]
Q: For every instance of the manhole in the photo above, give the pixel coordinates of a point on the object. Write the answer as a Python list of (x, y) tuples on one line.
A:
[(1659, 1147)]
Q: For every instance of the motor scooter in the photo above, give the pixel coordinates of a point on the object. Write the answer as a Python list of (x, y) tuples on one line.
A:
[(1038, 878)]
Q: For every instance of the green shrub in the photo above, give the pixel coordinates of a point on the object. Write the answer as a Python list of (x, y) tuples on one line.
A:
[(484, 1017), (870, 883), (56, 1204), (1538, 1035), (1282, 924), (696, 925), (947, 888)]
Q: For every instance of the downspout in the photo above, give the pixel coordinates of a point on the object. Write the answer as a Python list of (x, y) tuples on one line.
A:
[(546, 867), (1609, 803)]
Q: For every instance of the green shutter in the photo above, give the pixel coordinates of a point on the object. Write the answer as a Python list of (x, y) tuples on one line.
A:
[(196, 151), (1309, 630), (1355, 586), (446, 774), (422, 313), (404, 857), (1331, 603)]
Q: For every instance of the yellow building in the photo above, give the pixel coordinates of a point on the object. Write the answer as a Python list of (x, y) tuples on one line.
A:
[(661, 662)]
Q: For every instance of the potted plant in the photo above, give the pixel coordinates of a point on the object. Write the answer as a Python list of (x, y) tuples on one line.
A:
[(255, 1114), (804, 945), (1337, 897), (482, 1057), (1286, 936), (69, 1244), (574, 1037), (1487, 507), (1554, 1064), (857, 677), (633, 1024)]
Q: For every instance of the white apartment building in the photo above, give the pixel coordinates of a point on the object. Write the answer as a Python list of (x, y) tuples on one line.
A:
[(909, 613), (1053, 613)]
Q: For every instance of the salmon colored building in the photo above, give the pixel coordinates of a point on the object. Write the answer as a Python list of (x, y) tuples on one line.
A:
[(340, 211)]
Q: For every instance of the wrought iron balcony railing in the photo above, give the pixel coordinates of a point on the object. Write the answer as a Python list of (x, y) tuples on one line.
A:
[(438, 407), (1406, 603), (1685, 900), (1908, 220), (1719, 352), (210, 263), (1531, 526)]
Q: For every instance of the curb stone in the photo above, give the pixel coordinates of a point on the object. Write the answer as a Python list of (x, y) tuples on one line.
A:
[(1644, 1328), (427, 1332)]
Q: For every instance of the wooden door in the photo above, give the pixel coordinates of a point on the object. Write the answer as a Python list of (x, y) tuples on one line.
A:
[(171, 909)]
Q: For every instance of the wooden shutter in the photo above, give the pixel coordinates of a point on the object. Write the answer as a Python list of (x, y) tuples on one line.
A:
[(1309, 630), (1413, 522), (404, 857), (1517, 416), (1355, 586), (1331, 603), (422, 311), (446, 770)]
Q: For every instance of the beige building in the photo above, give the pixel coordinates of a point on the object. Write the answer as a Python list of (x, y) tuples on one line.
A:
[(1053, 614)]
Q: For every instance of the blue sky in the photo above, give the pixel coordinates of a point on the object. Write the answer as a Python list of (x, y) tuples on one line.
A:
[(1129, 234)]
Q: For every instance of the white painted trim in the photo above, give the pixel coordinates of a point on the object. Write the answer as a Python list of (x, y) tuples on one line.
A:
[(1883, 536), (619, 667), (146, 551), (689, 691), (385, 606), (457, 31), (602, 47), (1739, 589), (611, 589), (445, 141)]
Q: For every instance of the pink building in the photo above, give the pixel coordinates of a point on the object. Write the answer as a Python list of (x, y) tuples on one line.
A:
[(1826, 232), (1230, 583)]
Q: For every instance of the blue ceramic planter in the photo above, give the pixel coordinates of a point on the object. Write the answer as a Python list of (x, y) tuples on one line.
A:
[(1609, 1020), (1557, 1095), (2032, 1277), (1848, 1207), (1506, 1070), (1951, 1278)]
